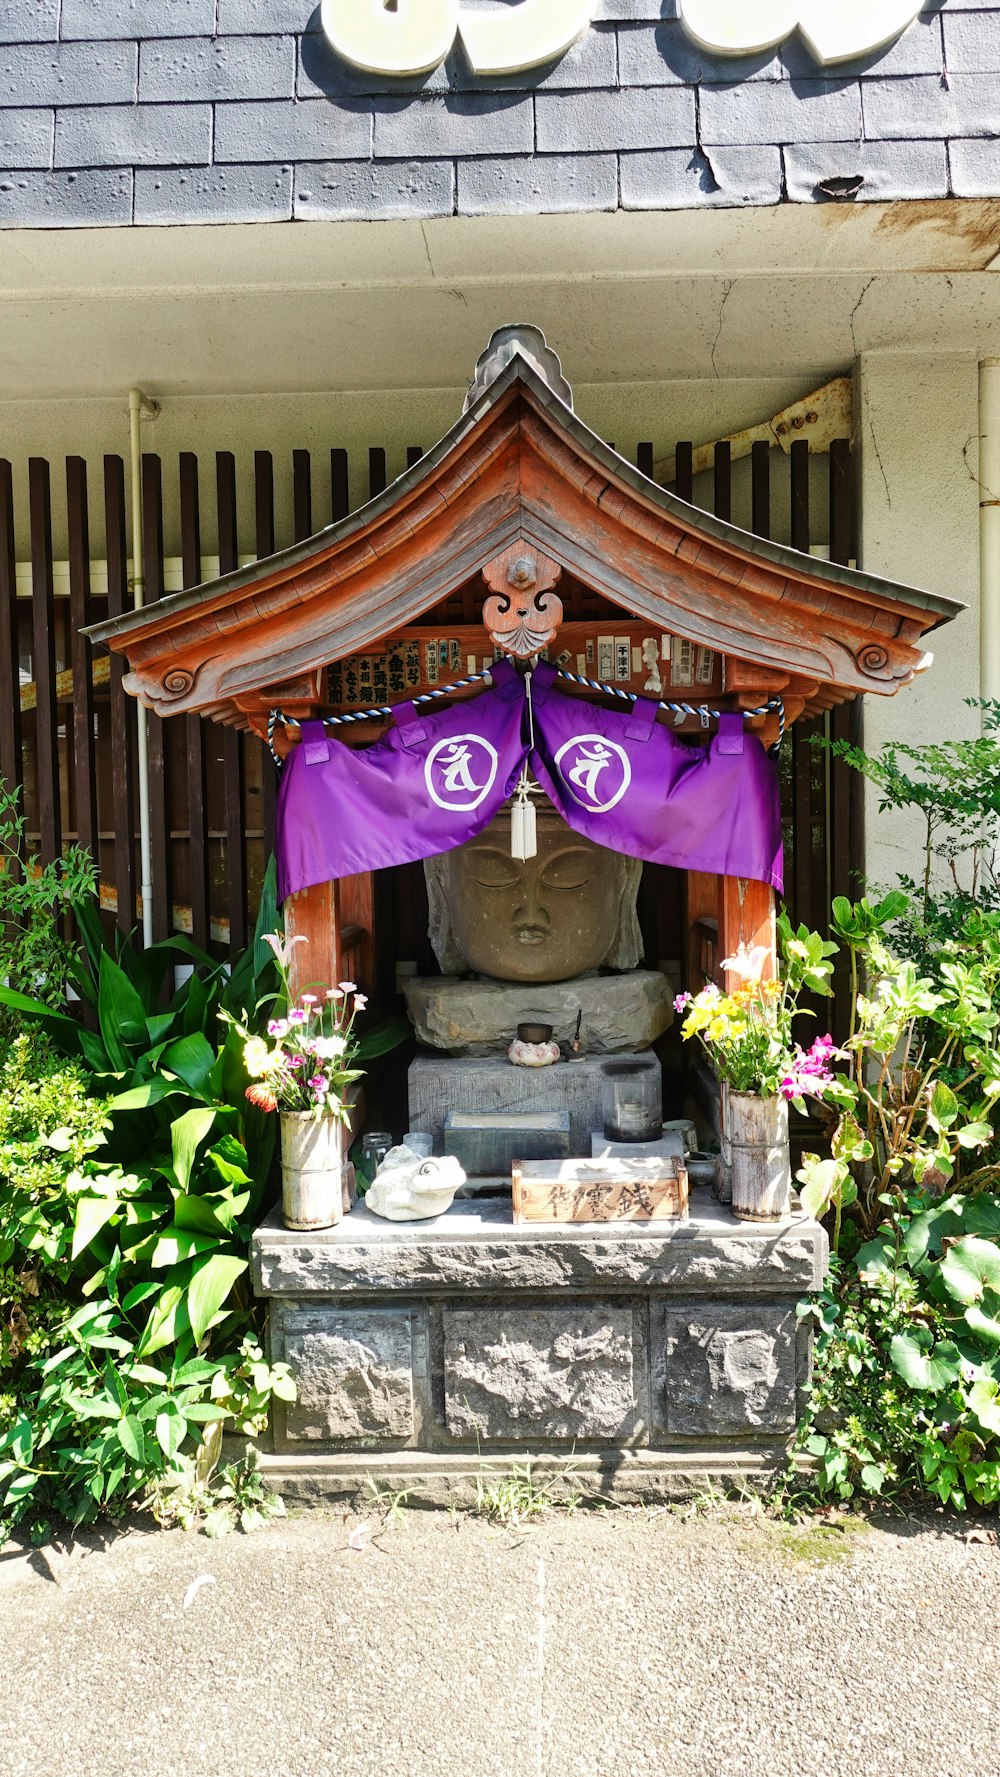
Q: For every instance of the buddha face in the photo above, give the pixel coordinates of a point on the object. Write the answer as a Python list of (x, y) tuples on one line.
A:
[(548, 919)]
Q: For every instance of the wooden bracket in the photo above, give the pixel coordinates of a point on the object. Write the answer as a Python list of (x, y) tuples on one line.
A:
[(524, 613)]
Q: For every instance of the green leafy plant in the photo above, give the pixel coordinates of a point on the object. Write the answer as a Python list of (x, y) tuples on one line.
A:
[(906, 1390), (35, 957)]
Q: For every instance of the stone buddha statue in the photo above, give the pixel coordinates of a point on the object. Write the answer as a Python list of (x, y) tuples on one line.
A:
[(567, 911), (552, 940)]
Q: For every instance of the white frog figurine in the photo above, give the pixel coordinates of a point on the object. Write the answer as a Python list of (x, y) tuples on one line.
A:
[(411, 1187)]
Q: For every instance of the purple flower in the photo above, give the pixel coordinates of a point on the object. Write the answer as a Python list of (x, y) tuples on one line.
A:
[(682, 1002), (297, 1016), (318, 1083)]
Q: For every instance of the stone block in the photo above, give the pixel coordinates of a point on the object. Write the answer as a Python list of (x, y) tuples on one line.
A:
[(363, 191), (539, 184), (917, 51), (461, 123), (621, 1013), (29, 21), (26, 139), (259, 18), (667, 56), (353, 1369), (217, 68), (975, 168), (972, 41), (311, 129), (133, 135), (68, 73), (890, 170), (97, 19), (601, 122), (781, 111), (437, 1084), (93, 198), (725, 1369), (323, 73), (517, 1374), (488, 1144), (213, 194), (590, 62)]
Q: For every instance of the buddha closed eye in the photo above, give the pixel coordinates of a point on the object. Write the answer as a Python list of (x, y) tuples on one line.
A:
[(566, 870)]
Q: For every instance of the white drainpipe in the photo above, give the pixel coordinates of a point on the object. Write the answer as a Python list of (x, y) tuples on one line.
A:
[(989, 528), (140, 406)]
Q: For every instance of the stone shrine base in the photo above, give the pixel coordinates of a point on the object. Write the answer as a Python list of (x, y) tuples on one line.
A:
[(638, 1360)]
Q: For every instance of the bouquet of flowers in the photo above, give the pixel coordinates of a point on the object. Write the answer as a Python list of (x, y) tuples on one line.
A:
[(306, 1060), (748, 1033)]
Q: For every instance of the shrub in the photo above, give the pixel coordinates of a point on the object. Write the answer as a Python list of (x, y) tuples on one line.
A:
[(35, 956)]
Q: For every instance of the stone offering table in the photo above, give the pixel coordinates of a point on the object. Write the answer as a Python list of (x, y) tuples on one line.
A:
[(637, 1358)]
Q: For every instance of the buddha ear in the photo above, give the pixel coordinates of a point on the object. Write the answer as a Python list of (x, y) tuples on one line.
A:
[(439, 928), (627, 949)]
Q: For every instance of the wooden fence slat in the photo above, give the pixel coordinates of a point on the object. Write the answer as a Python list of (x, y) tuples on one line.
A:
[(264, 535), (159, 801), (840, 501), (122, 707), (84, 775), (799, 472), (724, 480), (684, 471), (644, 460), (43, 663), (232, 747), (302, 494), (414, 452), (198, 865), (340, 486), (11, 759), (760, 476)]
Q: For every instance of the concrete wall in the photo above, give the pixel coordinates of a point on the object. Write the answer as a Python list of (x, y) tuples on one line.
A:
[(163, 111), (919, 437)]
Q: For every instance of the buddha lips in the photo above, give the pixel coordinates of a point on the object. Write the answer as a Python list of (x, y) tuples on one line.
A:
[(621, 778)]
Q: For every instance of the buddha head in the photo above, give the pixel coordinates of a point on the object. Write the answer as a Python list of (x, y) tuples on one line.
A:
[(566, 911)]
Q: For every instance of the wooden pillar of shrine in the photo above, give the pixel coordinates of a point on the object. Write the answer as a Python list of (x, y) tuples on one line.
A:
[(746, 917)]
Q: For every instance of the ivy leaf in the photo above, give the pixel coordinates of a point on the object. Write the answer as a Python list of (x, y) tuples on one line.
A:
[(921, 1363), (969, 1268)]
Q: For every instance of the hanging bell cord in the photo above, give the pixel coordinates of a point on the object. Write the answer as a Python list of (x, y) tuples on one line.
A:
[(523, 817)]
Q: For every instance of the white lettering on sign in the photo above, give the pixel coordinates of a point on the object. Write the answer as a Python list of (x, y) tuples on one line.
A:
[(835, 30), (419, 33)]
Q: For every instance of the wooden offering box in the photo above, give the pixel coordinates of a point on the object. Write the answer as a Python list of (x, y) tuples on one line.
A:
[(602, 1190)]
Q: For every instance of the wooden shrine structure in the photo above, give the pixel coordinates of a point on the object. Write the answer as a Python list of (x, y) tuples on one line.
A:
[(521, 532)]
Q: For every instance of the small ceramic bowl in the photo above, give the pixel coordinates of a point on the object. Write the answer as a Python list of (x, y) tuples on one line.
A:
[(534, 1033)]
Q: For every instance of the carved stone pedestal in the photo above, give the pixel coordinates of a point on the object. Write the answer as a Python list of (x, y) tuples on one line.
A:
[(637, 1357)]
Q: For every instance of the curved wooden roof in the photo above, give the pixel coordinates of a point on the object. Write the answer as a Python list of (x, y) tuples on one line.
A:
[(520, 467)]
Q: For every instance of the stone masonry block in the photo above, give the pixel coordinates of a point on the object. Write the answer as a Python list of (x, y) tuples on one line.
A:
[(975, 168), (780, 111), (686, 178), (972, 42), (217, 68), (463, 123), (133, 135), (213, 194), (261, 17), (890, 170), (353, 1370), (26, 139), (29, 21), (541, 184), (363, 191), (725, 1369), (517, 1374), (323, 73), (918, 51), (652, 117), (666, 56), (94, 198), (590, 62), (925, 107), (68, 73), (98, 19), (309, 130)]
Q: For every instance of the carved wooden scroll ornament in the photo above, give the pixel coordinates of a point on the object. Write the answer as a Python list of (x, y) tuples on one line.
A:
[(523, 615)]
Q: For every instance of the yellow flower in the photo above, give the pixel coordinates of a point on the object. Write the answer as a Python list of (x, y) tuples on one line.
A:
[(718, 1030), (256, 1057)]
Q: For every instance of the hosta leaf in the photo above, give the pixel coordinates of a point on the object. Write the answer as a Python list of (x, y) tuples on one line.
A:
[(212, 1281), (186, 1135), (92, 1214), (970, 1267), (921, 1363)]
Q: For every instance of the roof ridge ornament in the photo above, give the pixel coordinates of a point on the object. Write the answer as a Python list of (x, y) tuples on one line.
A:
[(519, 339)]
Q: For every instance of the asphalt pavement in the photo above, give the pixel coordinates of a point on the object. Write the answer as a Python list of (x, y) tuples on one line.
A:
[(612, 1644)]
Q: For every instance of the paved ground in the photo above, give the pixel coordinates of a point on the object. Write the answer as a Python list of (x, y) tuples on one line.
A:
[(610, 1645)]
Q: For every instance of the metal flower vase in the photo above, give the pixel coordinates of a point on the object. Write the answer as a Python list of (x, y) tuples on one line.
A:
[(312, 1163), (759, 1157)]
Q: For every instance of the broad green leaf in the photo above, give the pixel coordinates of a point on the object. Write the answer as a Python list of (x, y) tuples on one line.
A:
[(872, 1478), (212, 1281), (139, 1098), (982, 1216), (202, 1215), (171, 1430), (975, 1135), (92, 1214), (926, 1231), (192, 1059), (65, 1028), (944, 1106), (984, 1401), (970, 1268), (985, 1320), (174, 1245), (921, 1363), (146, 1373), (168, 1320), (142, 1292), (120, 1012), (876, 1261), (129, 1433), (186, 1135)]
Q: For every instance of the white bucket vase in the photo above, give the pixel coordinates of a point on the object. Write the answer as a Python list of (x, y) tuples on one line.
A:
[(761, 1163), (312, 1162)]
